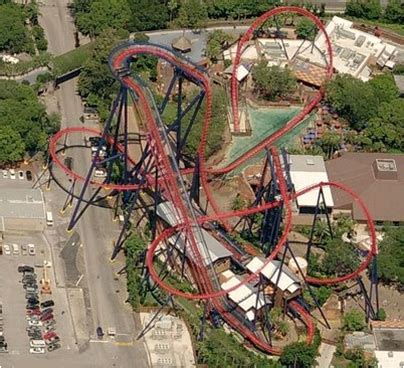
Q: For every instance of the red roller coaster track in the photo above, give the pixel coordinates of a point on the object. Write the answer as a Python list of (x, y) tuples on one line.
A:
[(119, 59)]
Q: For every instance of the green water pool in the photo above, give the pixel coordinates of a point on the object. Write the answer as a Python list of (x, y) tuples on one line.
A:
[(264, 122)]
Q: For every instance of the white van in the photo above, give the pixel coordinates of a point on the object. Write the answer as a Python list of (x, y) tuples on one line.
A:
[(37, 344), (49, 218)]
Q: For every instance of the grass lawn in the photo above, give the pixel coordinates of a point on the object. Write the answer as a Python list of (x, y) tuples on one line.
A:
[(73, 59)]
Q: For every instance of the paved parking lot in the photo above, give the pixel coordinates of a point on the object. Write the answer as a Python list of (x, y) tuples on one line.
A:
[(12, 295)]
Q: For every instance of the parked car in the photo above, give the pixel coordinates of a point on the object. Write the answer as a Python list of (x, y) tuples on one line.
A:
[(5, 174), (21, 175), (47, 310), (28, 173), (34, 323), (12, 174), (49, 335), (47, 303), (7, 249), (37, 350), (100, 332), (49, 324), (24, 250), (24, 268), (16, 249), (53, 340), (33, 301), (47, 317), (32, 289), (33, 312), (53, 346), (31, 249)]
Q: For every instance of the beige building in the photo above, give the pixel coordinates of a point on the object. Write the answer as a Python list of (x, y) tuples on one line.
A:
[(22, 209)]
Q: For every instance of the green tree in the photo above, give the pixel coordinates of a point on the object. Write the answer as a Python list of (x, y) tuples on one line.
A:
[(384, 87), (398, 69), (354, 321), (381, 315), (135, 246), (192, 14), (14, 37), (21, 111), (394, 12), (329, 142), (12, 147), (353, 99), (96, 82), (391, 255), (273, 82), (298, 354), (306, 29), (368, 9), (385, 132), (148, 14), (103, 14), (217, 41), (340, 259)]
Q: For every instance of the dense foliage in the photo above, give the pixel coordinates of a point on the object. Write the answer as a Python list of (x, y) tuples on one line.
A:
[(192, 14), (372, 10), (306, 29), (96, 83), (354, 321), (98, 15), (391, 256), (135, 246), (298, 354), (217, 42), (372, 109), (273, 82), (219, 349), (14, 36), (24, 124)]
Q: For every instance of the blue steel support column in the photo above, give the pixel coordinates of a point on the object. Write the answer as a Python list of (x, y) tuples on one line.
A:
[(76, 215)]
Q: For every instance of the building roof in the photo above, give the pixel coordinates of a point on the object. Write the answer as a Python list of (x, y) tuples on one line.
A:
[(245, 296), (353, 49), (182, 44), (306, 170), (360, 340), (399, 80), (287, 280), (203, 238), (383, 196), (242, 71), (22, 203), (389, 359)]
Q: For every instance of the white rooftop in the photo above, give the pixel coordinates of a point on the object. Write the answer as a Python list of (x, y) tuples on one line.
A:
[(245, 296), (242, 72), (287, 280), (389, 359), (306, 170), (353, 48), (204, 239)]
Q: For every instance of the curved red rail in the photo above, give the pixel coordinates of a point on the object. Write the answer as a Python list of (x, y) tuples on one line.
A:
[(120, 59)]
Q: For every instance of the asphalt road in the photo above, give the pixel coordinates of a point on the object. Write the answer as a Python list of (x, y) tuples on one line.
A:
[(58, 25), (95, 228)]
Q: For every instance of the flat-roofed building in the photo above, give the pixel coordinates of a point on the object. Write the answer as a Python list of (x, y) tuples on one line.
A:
[(378, 178), (307, 170), (245, 297), (211, 250), (354, 50), (22, 209)]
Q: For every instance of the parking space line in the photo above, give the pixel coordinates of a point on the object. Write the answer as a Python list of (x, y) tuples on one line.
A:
[(101, 341), (123, 343)]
